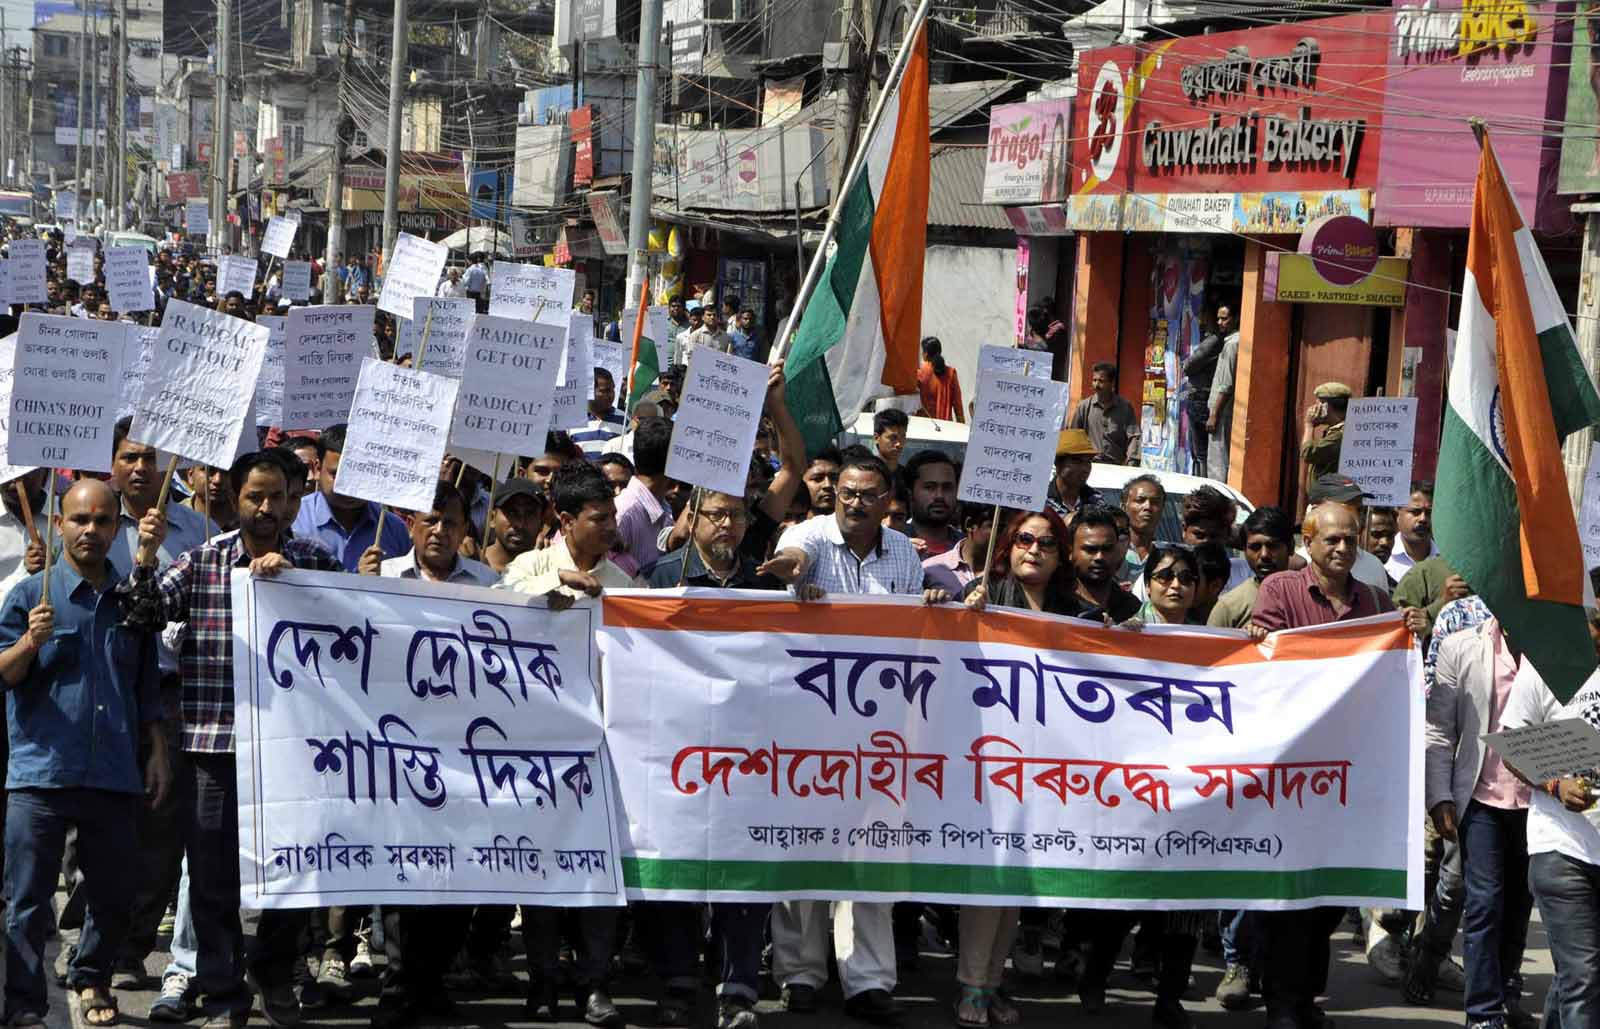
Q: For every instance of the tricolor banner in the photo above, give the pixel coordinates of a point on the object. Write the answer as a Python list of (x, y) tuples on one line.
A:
[(877, 749)]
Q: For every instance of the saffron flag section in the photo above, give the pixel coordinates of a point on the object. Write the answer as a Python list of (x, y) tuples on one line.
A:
[(402, 742), (878, 749)]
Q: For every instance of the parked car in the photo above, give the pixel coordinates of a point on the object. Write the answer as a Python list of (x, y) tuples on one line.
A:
[(1107, 479), (132, 239)]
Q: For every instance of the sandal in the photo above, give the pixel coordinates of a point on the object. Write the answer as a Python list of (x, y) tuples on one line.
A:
[(99, 1006), (1003, 1009), (972, 1010)]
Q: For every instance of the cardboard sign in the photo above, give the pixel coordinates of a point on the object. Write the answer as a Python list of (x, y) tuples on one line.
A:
[(236, 274), (1549, 750), (518, 290), (1011, 447), (1013, 361), (128, 273), (444, 323), (27, 265), (200, 384), (66, 391), (413, 272), (140, 346), (80, 265), (8, 353), (714, 430), (1376, 451), (508, 383), (279, 237), (197, 216), (297, 280), (323, 348), (269, 384), (395, 442)]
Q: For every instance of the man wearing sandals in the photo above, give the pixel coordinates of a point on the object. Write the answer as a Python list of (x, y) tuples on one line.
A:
[(81, 689)]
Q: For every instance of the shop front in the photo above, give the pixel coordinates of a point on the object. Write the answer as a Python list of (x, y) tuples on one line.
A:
[(1193, 161)]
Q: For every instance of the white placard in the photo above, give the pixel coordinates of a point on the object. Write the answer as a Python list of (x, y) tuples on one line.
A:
[(658, 328), (197, 216), (67, 207), (1013, 361), (1589, 511), (570, 405), (69, 233), (714, 430), (499, 467), (1376, 452), (140, 346), (446, 333), (1550, 750), (5, 285), (66, 392), (201, 384), (27, 264), (398, 424), (268, 403), (128, 273), (579, 325), (322, 352), (613, 357), (413, 272), (517, 290), (8, 354), (236, 274), (279, 237), (80, 265), (297, 280), (508, 383), (1011, 448)]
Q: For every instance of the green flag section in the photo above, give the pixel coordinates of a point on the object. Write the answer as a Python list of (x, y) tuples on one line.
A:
[(644, 373), (1503, 518), (808, 388)]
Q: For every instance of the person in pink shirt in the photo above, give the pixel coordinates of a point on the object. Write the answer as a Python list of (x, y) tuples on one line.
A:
[(643, 506), (1475, 800)]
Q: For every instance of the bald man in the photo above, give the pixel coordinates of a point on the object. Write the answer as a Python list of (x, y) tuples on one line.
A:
[(1296, 943), (82, 689)]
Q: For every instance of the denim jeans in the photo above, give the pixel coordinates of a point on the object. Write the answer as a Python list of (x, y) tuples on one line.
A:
[(1568, 892), (1494, 866), (212, 846), (35, 835), (160, 854), (1240, 938), (1437, 933), (594, 930), (184, 948), (741, 929)]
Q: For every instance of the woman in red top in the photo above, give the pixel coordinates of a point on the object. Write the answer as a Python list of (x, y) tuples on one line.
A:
[(939, 385)]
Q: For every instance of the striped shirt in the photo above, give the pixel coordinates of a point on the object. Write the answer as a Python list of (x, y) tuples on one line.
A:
[(599, 431), (892, 566)]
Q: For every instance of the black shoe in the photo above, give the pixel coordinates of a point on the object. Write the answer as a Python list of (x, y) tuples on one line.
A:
[(1518, 1018), (544, 1002), (874, 1006), (1091, 998), (600, 1012), (1312, 1016), (675, 1010), (800, 999), (1170, 1015)]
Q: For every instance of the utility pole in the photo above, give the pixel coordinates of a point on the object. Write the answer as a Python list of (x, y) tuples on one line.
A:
[(222, 140), (644, 141), (858, 81), (330, 271), (391, 163), (83, 103), (121, 190)]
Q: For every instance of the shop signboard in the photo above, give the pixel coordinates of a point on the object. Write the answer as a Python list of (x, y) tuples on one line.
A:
[(1280, 110), (741, 169), (1274, 212), (1453, 60), (1026, 159), (1580, 140), (1293, 279)]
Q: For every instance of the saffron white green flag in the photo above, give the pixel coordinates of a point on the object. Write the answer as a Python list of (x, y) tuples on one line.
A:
[(1504, 520)]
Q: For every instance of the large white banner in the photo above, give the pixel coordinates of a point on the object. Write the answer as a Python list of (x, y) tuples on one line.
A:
[(402, 742), (68, 387), (201, 381), (875, 748)]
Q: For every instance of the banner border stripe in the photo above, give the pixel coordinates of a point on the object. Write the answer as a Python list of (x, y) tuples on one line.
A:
[(916, 622), (991, 880)]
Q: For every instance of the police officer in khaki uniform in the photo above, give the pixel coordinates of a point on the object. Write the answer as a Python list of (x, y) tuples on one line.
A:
[(1324, 430)]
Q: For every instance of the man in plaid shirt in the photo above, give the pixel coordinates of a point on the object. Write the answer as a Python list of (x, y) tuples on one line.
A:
[(196, 588)]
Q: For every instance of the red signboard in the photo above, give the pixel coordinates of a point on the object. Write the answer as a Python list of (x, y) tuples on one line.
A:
[(581, 122), (1281, 107), (182, 185)]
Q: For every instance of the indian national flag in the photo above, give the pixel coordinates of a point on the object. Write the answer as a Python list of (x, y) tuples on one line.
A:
[(1503, 518), (859, 335)]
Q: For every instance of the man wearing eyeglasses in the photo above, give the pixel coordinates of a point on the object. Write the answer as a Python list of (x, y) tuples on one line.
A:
[(710, 558), (849, 552)]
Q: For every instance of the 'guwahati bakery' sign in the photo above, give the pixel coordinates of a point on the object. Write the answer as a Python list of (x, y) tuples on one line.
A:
[(1291, 107)]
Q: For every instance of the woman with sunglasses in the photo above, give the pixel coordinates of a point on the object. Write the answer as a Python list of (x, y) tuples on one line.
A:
[(1171, 584), (1027, 573)]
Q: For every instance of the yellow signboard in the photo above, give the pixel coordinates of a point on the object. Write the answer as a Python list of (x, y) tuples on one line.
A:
[(1299, 283)]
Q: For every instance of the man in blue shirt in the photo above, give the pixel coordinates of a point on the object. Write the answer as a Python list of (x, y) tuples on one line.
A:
[(344, 524), (82, 690)]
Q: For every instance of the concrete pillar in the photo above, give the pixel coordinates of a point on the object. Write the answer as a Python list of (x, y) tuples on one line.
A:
[(1097, 306), (1261, 386), (1423, 324)]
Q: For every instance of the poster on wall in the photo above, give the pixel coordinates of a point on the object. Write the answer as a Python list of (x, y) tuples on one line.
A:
[(1172, 425), (1026, 160), (1580, 149)]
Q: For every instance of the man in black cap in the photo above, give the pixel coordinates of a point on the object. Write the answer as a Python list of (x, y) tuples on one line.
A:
[(1340, 489), (514, 522)]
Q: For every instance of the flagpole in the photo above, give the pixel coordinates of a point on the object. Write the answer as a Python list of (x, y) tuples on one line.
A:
[(858, 163)]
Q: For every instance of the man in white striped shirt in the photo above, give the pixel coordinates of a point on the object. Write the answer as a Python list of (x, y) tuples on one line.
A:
[(605, 423)]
